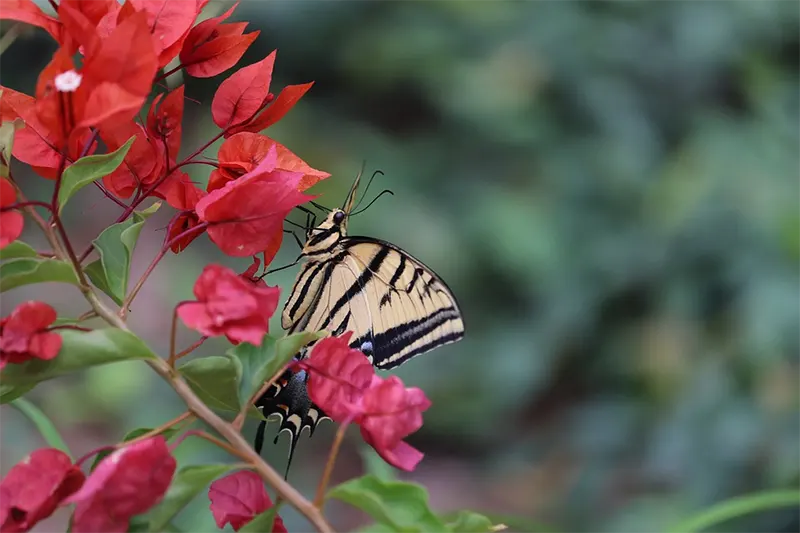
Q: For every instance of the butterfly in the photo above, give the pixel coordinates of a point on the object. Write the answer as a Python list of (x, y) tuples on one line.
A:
[(396, 307)]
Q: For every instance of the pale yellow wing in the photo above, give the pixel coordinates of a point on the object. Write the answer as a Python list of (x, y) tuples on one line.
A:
[(396, 307)]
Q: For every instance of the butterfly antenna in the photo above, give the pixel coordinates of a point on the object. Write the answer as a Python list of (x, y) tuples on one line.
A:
[(373, 201), (366, 189)]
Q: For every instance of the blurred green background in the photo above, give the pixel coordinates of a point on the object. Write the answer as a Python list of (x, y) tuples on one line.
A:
[(610, 189)]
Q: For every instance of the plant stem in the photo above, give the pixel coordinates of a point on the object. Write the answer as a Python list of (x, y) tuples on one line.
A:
[(160, 429), (234, 438), (319, 500), (26, 203), (37, 218), (163, 178), (212, 439), (191, 348), (167, 74), (127, 302)]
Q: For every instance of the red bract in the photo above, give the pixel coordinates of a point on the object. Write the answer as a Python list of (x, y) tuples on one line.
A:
[(164, 120), (339, 377), (107, 91), (241, 153), (243, 94), (169, 22), (237, 498), (183, 195), (10, 221), (276, 110), (342, 382), (126, 483), (142, 164), (391, 412), (24, 335), (33, 488), (35, 144), (250, 273), (228, 305), (212, 48), (27, 11), (246, 216)]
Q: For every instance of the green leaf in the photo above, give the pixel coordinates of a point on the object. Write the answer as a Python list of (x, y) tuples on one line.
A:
[(375, 465), (51, 435), (79, 350), (261, 522), (115, 246), (133, 434), (27, 270), (403, 506), (469, 522), (736, 507), (215, 380), (7, 131), (17, 249), (89, 169), (260, 363), (9, 393), (188, 483)]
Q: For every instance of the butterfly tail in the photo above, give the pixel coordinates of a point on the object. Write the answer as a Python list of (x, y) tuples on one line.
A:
[(290, 402)]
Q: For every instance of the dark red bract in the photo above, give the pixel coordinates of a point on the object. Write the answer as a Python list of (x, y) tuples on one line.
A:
[(391, 412), (34, 487), (24, 335), (342, 382), (237, 498), (126, 483), (339, 377), (229, 305)]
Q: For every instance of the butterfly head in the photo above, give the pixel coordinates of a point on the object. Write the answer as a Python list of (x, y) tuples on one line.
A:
[(323, 239)]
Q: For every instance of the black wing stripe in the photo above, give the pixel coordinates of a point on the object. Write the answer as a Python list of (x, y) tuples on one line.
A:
[(361, 282), (444, 339), (301, 296), (414, 278), (326, 277), (394, 340), (398, 273)]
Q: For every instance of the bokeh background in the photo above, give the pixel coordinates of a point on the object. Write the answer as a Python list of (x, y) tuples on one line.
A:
[(610, 189)]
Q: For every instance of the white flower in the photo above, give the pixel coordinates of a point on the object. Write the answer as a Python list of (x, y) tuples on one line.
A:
[(68, 82)]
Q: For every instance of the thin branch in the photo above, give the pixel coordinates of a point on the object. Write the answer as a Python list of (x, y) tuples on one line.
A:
[(127, 302), (37, 218), (160, 429), (319, 499), (191, 348), (234, 438)]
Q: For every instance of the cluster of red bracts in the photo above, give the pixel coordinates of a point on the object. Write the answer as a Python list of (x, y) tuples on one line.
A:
[(123, 46), (24, 334), (127, 482)]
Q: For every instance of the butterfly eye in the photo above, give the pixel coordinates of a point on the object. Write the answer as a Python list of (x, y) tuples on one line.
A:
[(338, 217)]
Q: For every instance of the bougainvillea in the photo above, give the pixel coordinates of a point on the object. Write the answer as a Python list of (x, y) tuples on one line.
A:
[(108, 112)]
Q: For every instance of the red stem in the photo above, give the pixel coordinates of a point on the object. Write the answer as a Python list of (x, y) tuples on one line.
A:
[(163, 178), (20, 205), (167, 74)]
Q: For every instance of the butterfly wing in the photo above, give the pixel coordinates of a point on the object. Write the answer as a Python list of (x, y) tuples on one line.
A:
[(396, 307)]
